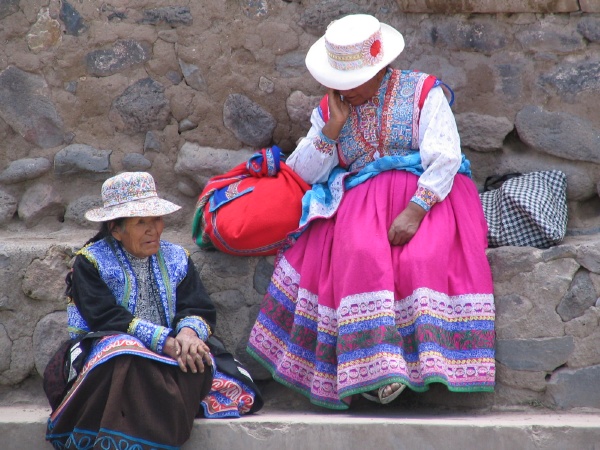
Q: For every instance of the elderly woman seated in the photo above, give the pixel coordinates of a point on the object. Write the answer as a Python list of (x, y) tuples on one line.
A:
[(151, 372)]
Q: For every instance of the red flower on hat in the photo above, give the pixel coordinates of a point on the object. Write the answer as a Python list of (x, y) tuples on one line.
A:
[(372, 49), (375, 48)]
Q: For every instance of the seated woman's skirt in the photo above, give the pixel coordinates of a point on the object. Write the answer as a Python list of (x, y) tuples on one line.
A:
[(127, 396), (346, 312)]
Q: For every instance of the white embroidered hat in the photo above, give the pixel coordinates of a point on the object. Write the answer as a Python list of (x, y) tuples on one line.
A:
[(352, 51), (130, 194)]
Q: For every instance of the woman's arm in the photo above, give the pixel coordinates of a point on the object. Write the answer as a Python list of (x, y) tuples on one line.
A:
[(195, 320), (316, 154), (95, 301), (439, 145)]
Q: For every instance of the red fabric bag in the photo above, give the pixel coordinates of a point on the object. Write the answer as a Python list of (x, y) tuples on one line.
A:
[(251, 209)]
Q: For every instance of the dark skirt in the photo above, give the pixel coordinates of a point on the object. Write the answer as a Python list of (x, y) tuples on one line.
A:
[(130, 402)]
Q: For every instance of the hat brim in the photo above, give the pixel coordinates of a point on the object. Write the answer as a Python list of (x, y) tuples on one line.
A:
[(146, 207), (319, 67)]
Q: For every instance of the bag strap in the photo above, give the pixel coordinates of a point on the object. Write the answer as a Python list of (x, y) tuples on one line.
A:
[(495, 181)]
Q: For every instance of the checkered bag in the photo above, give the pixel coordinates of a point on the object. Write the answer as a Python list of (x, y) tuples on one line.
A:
[(527, 210)]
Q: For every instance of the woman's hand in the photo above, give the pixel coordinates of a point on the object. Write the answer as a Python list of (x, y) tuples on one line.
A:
[(339, 111), (406, 224), (188, 350)]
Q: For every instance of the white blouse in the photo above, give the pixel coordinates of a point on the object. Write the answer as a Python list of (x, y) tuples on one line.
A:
[(439, 147)]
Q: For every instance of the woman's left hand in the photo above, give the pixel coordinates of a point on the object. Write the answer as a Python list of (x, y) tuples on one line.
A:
[(193, 353), (406, 224)]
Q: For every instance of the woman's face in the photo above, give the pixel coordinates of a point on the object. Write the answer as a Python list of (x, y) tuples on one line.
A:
[(140, 236), (360, 94)]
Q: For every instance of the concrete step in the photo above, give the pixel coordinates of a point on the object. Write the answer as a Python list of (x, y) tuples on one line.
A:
[(23, 428)]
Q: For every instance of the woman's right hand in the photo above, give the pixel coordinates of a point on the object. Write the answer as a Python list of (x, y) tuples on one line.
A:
[(339, 111)]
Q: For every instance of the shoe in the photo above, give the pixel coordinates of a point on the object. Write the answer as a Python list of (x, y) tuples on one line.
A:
[(378, 396)]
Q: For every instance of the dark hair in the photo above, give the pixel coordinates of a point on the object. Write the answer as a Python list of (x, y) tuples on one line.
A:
[(104, 232)]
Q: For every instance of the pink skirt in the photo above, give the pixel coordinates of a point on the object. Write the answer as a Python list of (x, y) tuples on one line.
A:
[(346, 312)]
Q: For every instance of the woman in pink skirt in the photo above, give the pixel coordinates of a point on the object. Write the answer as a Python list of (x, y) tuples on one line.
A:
[(386, 284)]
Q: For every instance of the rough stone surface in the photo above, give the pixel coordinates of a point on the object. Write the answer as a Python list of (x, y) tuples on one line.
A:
[(488, 6), (580, 296), (8, 7), (300, 106), (559, 134), (482, 133), (195, 161), (575, 388), (141, 107), (38, 202), (72, 20), (573, 77), (45, 33), (589, 27), (8, 206), (121, 56), (534, 354), (24, 169), (47, 336), (501, 58), (248, 121), (172, 15), (51, 267), (26, 107), (152, 142), (76, 209), (80, 158), (192, 75), (134, 162)]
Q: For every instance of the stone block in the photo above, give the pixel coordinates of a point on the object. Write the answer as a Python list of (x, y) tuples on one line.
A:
[(199, 162), (41, 201), (589, 6), (81, 158), (24, 169), (572, 137), (535, 355), (248, 121), (141, 107), (488, 6), (26, 105), (481, 132), (49, 333), (575, 388)]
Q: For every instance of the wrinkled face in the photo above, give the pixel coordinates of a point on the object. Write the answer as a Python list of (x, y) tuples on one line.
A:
[(140, 236), (360, 94)]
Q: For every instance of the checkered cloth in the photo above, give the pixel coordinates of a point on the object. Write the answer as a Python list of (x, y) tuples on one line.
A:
[(528, 210)]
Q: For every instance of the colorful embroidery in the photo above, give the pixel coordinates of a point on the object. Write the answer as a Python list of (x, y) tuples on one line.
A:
[(324, 145), (387, 125), (196, 323), (169, 266), (425, 198), (329, 355), (355, 56)]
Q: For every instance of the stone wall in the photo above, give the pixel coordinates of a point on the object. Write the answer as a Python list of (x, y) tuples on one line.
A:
[(547, 318), (187, 90), (88, 90)]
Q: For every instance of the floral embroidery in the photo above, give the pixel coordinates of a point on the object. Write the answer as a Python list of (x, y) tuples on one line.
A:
[(324, 145), (425, 198)]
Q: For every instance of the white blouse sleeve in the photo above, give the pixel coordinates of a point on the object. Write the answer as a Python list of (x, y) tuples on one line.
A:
[(316, 154), (439, 144)]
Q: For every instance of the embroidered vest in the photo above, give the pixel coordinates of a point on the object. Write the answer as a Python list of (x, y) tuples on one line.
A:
[(387, 125), (169, 267)]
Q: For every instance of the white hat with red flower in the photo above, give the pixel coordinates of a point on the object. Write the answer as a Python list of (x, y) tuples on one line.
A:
[(352, 51)]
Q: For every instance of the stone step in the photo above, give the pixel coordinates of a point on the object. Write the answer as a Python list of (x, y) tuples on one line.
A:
[(23, 428)]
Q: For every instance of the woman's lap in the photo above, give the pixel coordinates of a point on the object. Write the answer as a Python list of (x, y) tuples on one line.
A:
[(130, 399), (347, 312)]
